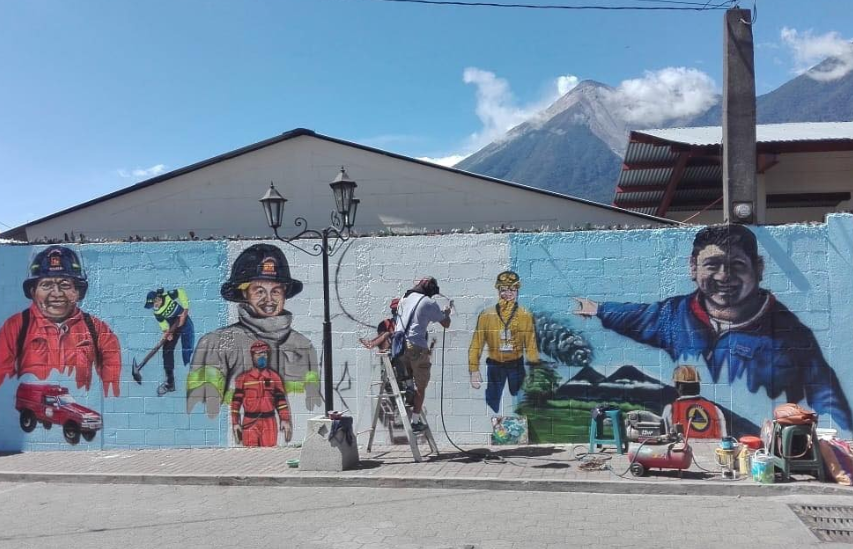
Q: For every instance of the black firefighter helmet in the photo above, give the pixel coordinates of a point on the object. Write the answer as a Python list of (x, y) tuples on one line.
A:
[(56, 261), (259, 262)]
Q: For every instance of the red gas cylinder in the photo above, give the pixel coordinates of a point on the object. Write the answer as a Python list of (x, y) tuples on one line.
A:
[(673, 455)]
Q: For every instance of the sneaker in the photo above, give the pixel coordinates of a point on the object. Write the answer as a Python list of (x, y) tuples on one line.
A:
[(165, 388), (418, 427)]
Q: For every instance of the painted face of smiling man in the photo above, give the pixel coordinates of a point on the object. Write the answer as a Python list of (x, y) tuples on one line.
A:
[(56, 298), (266, 298), (728, 281)]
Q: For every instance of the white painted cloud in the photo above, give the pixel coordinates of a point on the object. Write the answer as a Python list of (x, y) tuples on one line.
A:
[(809, 50), (448, 161), (670, 93), (142, 173)]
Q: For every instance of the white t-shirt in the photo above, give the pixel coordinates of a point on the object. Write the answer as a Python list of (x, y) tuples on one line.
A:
[(426, 311)]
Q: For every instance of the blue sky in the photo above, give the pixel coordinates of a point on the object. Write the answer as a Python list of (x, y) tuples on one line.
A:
[(98, 95)]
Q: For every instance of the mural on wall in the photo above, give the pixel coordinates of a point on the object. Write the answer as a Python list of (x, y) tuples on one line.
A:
[(172, 312), (580, 320), (53, 338), (698, 416), (259, 392), (260, 283), (508, 334), (738, 330), (509, 430)]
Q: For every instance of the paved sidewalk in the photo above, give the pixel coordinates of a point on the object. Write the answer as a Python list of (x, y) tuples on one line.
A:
[(544, 468)]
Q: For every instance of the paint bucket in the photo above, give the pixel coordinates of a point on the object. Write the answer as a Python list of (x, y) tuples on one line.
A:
[(762, 467)]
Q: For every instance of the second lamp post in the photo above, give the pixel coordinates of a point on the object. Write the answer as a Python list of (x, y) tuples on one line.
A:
[(343, 218)]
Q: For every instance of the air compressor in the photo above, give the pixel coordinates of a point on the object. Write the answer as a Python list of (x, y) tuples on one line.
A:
[(669, 451)]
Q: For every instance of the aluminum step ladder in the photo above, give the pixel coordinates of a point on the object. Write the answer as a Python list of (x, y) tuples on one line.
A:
[(390, 399)]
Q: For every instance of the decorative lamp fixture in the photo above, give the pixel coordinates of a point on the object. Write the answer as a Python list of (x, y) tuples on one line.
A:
[(343, 187), (273, 204)]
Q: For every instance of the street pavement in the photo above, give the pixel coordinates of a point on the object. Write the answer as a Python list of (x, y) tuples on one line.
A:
[(539, 468), (57, 515)]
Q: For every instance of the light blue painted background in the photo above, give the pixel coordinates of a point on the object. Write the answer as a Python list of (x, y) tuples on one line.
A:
[(808, 268), (120, 276)]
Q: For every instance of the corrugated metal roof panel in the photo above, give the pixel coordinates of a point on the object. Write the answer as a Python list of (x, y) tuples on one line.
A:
[(645, 152), (698, 174), (765, 133), (645, 177)]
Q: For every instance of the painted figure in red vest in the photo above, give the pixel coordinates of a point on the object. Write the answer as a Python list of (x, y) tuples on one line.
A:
[(54, 333), (700, 416), (260, 393)]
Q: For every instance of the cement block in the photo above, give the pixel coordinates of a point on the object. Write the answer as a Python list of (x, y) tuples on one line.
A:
[(320, 452)]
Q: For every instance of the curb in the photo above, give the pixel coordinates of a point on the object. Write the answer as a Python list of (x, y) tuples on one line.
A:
[(633, 487)]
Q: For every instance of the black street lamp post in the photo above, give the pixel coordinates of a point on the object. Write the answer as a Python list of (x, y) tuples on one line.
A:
[(343, 218)]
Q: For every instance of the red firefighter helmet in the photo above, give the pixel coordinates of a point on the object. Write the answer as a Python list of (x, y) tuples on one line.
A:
[(259, 347)]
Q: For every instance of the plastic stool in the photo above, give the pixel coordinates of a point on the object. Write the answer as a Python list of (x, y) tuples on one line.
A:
[(782, 445), (596, 431)]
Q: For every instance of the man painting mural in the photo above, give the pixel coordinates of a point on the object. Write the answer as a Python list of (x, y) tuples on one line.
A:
[(508, 333), (735, 325), (261, 284), (260, 394), (54, 333)]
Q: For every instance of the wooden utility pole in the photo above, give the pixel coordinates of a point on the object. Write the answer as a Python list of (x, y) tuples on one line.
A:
[(740, 194)]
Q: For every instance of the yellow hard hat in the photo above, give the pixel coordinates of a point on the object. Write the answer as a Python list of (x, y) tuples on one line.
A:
[(685, 374), (508, 278)]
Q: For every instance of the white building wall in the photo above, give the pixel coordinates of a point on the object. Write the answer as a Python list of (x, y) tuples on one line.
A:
[(396, 195)]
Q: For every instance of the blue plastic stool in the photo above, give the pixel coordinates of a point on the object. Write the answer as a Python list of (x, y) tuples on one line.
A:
[(596, 431)]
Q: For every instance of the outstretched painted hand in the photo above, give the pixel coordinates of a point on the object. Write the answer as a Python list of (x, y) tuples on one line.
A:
[(586, 307)]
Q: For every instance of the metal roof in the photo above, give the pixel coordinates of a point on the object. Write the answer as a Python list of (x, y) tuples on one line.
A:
[(765, 133), (681, 168)]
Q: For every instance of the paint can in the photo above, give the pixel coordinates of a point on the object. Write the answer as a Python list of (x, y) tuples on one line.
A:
[(762, 467)]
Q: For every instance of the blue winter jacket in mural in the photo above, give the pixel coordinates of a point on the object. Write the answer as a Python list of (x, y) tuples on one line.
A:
[(774, 351)]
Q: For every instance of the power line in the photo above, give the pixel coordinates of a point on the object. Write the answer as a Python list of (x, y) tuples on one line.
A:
[(682, 6)]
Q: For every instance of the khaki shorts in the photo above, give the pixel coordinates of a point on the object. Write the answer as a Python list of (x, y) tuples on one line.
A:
[(416, 360)]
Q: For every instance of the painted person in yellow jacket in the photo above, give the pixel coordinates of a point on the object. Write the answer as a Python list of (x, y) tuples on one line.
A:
[(507, 330)]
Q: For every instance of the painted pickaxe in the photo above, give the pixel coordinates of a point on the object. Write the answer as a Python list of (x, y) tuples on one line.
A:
[(137, 368)]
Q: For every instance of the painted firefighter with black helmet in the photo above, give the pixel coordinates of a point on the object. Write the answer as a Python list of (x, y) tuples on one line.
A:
[(172, 312), (54, 333), (260, 283), (260, 394)]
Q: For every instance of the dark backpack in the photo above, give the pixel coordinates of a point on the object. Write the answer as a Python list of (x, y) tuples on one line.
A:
[(398, 339)]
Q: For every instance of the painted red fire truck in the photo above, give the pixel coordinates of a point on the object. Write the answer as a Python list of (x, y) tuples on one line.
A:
[(51, 404)]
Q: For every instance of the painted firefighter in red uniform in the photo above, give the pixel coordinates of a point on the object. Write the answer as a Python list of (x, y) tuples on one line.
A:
[(260, 393), (705, 418), (54, 333)]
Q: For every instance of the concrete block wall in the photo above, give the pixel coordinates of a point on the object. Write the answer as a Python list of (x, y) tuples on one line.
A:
[(807, 268)]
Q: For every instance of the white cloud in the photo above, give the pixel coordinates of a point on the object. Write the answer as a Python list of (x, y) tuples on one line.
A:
[(497, 108), (142, 173), (673, 92), (809, 50), (566, 83), (448, 161)]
